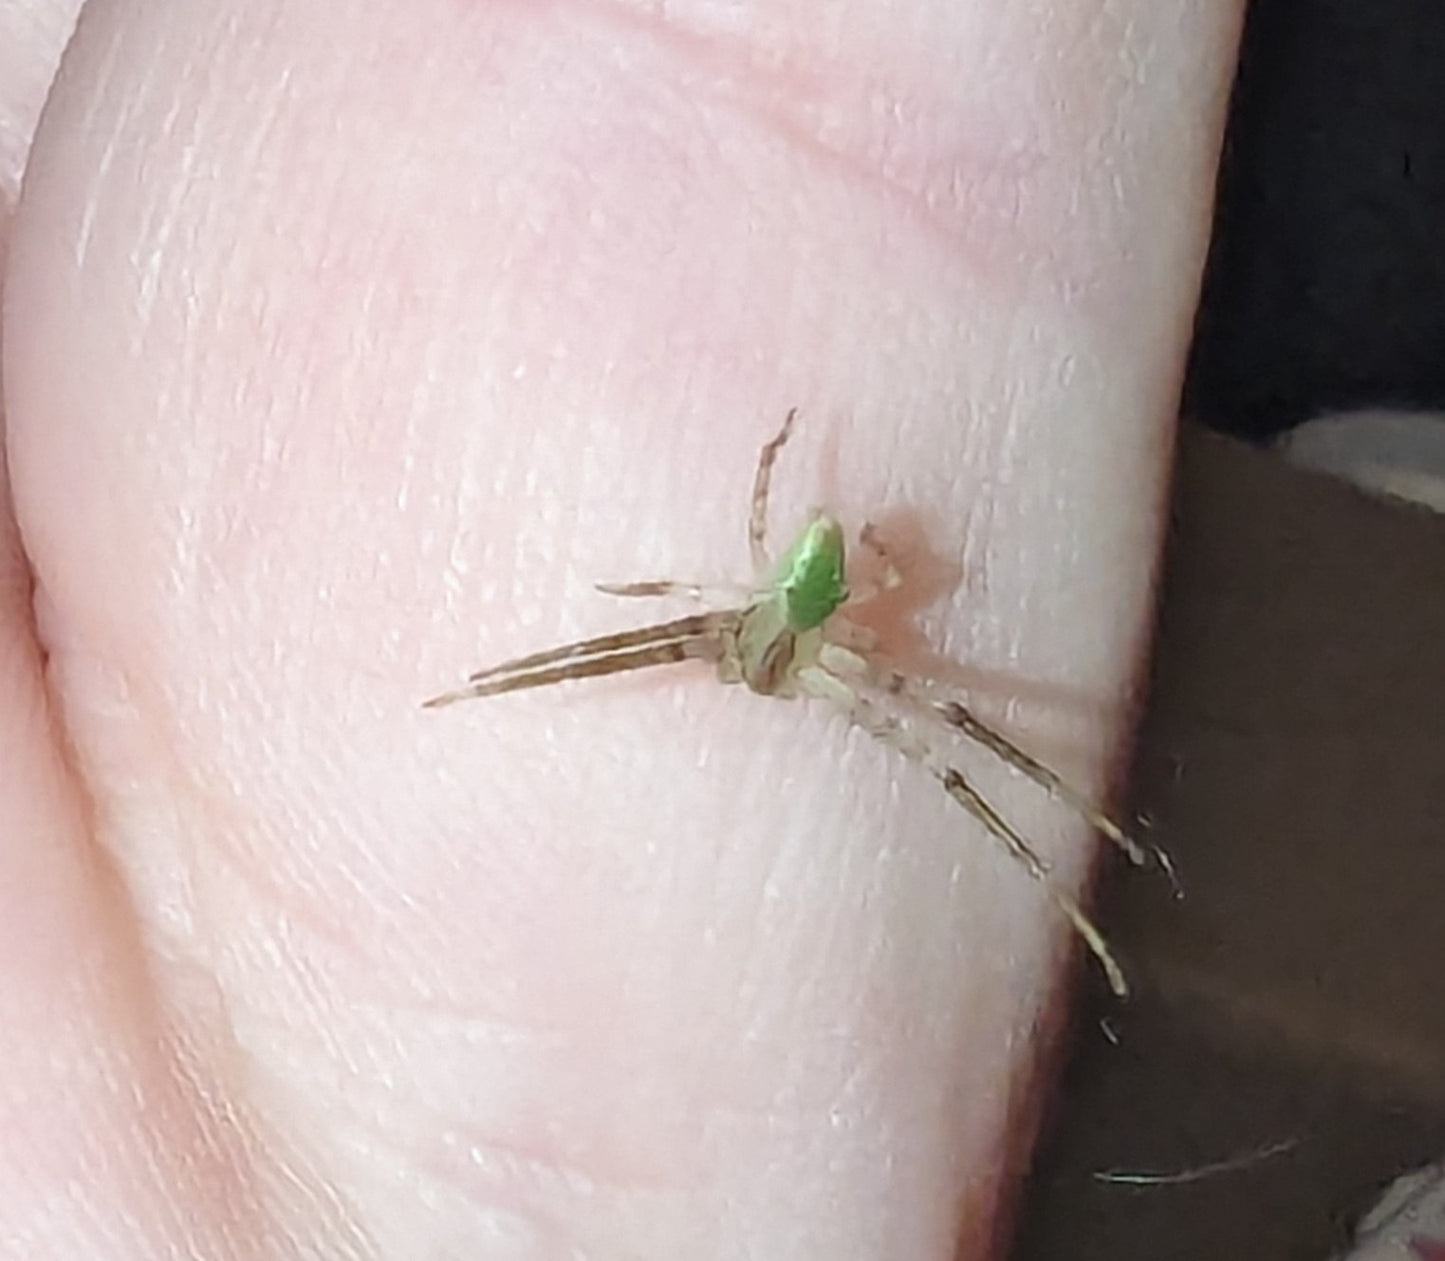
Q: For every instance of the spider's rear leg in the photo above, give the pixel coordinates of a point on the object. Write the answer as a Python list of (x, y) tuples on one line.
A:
[(762, 485), (870, 717), (968, 724), (961, 718), (924, 702)]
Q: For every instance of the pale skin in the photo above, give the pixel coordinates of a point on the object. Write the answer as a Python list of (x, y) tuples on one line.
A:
[(791, 636), (330, 371)]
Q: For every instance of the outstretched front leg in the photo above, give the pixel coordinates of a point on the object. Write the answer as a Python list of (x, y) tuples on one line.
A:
[(703, 636), (866, 714)]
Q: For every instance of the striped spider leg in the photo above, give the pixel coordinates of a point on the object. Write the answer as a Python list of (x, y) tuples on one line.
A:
[(744, 642), (789, 636)]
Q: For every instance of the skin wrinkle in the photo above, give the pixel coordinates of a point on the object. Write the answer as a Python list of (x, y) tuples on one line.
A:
[(218, 1142), (911, 177), (112, 124), (494, 1167), (173, 1094), (32, 35), (966, 189)]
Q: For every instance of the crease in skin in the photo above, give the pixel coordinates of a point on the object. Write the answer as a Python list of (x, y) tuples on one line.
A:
[(239, 872), (34, 37), (196, 1133), (477, 1131), (100, 118), (958, 183), (491, 1168)]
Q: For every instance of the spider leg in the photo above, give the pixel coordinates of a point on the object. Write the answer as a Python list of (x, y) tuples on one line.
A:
[(884, 727), (762, 484), (702, 592), (664, 652), (699, 627), (959, 716), (870, 540), (962, 719)]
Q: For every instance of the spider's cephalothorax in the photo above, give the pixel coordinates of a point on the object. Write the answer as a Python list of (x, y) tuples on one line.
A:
[(781, 632)]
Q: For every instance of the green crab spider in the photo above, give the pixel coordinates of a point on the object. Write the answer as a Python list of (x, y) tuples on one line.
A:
[(790, 637)]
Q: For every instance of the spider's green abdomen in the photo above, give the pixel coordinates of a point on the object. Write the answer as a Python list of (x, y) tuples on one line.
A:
[(810, 581)]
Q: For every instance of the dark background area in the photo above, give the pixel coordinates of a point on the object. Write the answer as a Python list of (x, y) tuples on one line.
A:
[(1290, 757), (1290, 762), (1325, 288)]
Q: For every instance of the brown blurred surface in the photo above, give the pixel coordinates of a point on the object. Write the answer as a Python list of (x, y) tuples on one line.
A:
[(1292, 761)]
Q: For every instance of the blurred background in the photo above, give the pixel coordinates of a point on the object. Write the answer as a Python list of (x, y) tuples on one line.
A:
[(1282, 1063)]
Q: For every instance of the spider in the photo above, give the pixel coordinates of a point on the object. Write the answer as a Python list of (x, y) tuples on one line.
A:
[(790, 637)]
